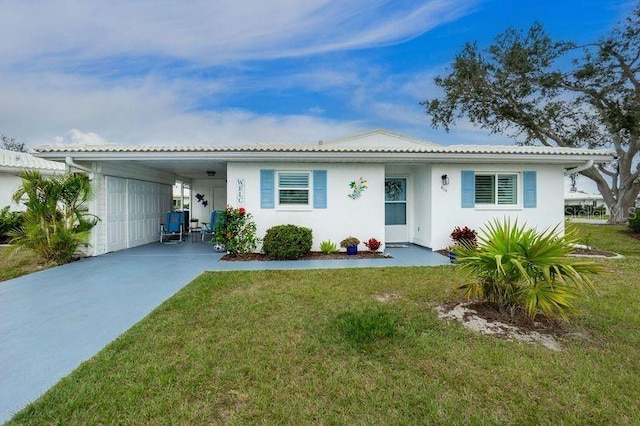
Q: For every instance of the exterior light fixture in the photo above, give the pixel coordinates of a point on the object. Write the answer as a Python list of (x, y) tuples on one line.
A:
[(445, 182), (211, 173)]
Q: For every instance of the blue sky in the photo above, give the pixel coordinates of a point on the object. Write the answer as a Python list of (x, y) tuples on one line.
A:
[(224, 72)]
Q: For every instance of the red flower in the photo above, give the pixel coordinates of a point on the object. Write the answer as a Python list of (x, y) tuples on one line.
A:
[(242, 210)]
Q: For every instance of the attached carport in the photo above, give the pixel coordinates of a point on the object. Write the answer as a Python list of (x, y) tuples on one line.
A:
[(134, 188)]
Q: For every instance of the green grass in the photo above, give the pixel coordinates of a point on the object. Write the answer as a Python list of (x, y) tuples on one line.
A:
[(301, 347), (18, 263)]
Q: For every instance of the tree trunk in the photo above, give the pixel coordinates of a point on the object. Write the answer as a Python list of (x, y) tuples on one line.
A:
[(619, 212)]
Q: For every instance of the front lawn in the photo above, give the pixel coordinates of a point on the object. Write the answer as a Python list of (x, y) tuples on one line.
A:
[(19, 263), (355, 346)]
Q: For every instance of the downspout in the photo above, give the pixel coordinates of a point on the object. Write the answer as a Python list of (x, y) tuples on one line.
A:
[(578, 169), (92, 208)]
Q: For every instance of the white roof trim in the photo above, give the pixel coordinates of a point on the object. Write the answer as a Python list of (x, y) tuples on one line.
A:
[(285, 148)]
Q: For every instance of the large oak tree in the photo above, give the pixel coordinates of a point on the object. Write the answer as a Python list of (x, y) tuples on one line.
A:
[(556, 93)]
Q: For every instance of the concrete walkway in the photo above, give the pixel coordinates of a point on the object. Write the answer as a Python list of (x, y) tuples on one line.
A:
[(52, 320)]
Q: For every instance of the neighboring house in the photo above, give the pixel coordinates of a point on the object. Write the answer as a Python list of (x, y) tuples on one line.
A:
[(11, 164), (415, 192), (583, 199)]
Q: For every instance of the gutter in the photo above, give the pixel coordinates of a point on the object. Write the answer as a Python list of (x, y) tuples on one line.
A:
[(578, 169), (69, 161)]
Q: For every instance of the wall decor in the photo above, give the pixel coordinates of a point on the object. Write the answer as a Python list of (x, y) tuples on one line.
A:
[(392, 189), (357, 188), (240, 191), (200, 198)]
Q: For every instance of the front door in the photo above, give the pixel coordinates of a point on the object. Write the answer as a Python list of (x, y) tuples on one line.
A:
[(395, 210)]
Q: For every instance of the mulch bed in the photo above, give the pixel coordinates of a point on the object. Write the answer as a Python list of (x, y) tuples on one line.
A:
[(593, 252), (519, 318), (314, 255)]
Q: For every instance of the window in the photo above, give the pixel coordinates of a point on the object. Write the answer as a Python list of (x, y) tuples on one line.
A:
[(496, 188), (293, 188)]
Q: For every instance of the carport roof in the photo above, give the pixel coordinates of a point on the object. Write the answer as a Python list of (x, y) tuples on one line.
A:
[(378, 146)]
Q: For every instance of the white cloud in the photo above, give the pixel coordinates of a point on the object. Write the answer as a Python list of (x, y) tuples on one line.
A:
[(136, 72), (78, 137), (211, 32), (40, 107)]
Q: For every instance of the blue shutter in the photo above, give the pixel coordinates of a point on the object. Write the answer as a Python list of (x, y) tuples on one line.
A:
[(468, 189), (267, 189), (529, 188), (319, 189)]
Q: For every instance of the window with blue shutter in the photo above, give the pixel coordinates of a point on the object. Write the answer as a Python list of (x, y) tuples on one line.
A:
[(267, 189), (468, 189), (319, 189), (293, 188), (530, 189)]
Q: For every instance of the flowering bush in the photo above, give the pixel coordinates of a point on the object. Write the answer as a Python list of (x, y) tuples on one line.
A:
[(373, 244), (236, 231), (464, 236)]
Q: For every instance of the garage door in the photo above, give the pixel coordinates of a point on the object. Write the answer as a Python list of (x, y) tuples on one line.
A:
[(134, 211)]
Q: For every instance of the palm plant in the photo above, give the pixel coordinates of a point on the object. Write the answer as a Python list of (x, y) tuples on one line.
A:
[(56, 222), (515, 267)]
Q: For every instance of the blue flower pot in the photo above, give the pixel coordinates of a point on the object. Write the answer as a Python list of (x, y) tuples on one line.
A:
[(351, 250)]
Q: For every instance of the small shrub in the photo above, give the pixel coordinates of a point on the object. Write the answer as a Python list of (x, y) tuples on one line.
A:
[(349, 242), (373, 244), (328, 247), (464, 236), (287, 242), (56, 223), (366, 326), (236, 231), (9, 221), (634, 221)]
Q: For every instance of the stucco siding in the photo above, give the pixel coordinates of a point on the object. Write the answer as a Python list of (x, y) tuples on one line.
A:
[(362, 217), (446, 204)]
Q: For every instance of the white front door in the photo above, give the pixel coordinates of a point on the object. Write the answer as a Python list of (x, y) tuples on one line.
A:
[(395, 210)]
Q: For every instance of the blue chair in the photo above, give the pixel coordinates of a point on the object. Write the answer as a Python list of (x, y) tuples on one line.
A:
[(173, 226), (210, 228)]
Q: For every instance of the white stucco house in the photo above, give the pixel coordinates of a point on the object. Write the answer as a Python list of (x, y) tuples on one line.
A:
[(11, 164), (416, 191)]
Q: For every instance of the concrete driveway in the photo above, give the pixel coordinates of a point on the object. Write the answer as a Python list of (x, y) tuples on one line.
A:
[(52, 320)]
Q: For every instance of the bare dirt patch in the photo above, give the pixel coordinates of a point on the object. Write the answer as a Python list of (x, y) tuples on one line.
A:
[(485, 319), (314, 255)]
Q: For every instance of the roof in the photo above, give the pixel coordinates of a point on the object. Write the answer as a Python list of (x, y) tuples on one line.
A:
[(453, 149), (376, 141), (378, 146), (13, 161)]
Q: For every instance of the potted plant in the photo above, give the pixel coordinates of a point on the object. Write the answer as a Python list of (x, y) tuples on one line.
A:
[(351, 244)]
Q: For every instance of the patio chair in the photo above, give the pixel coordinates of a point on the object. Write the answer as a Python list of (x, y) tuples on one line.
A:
[(210, 228), (172, 228)]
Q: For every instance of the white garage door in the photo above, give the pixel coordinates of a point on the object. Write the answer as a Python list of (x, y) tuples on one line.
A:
[(134, 211)]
